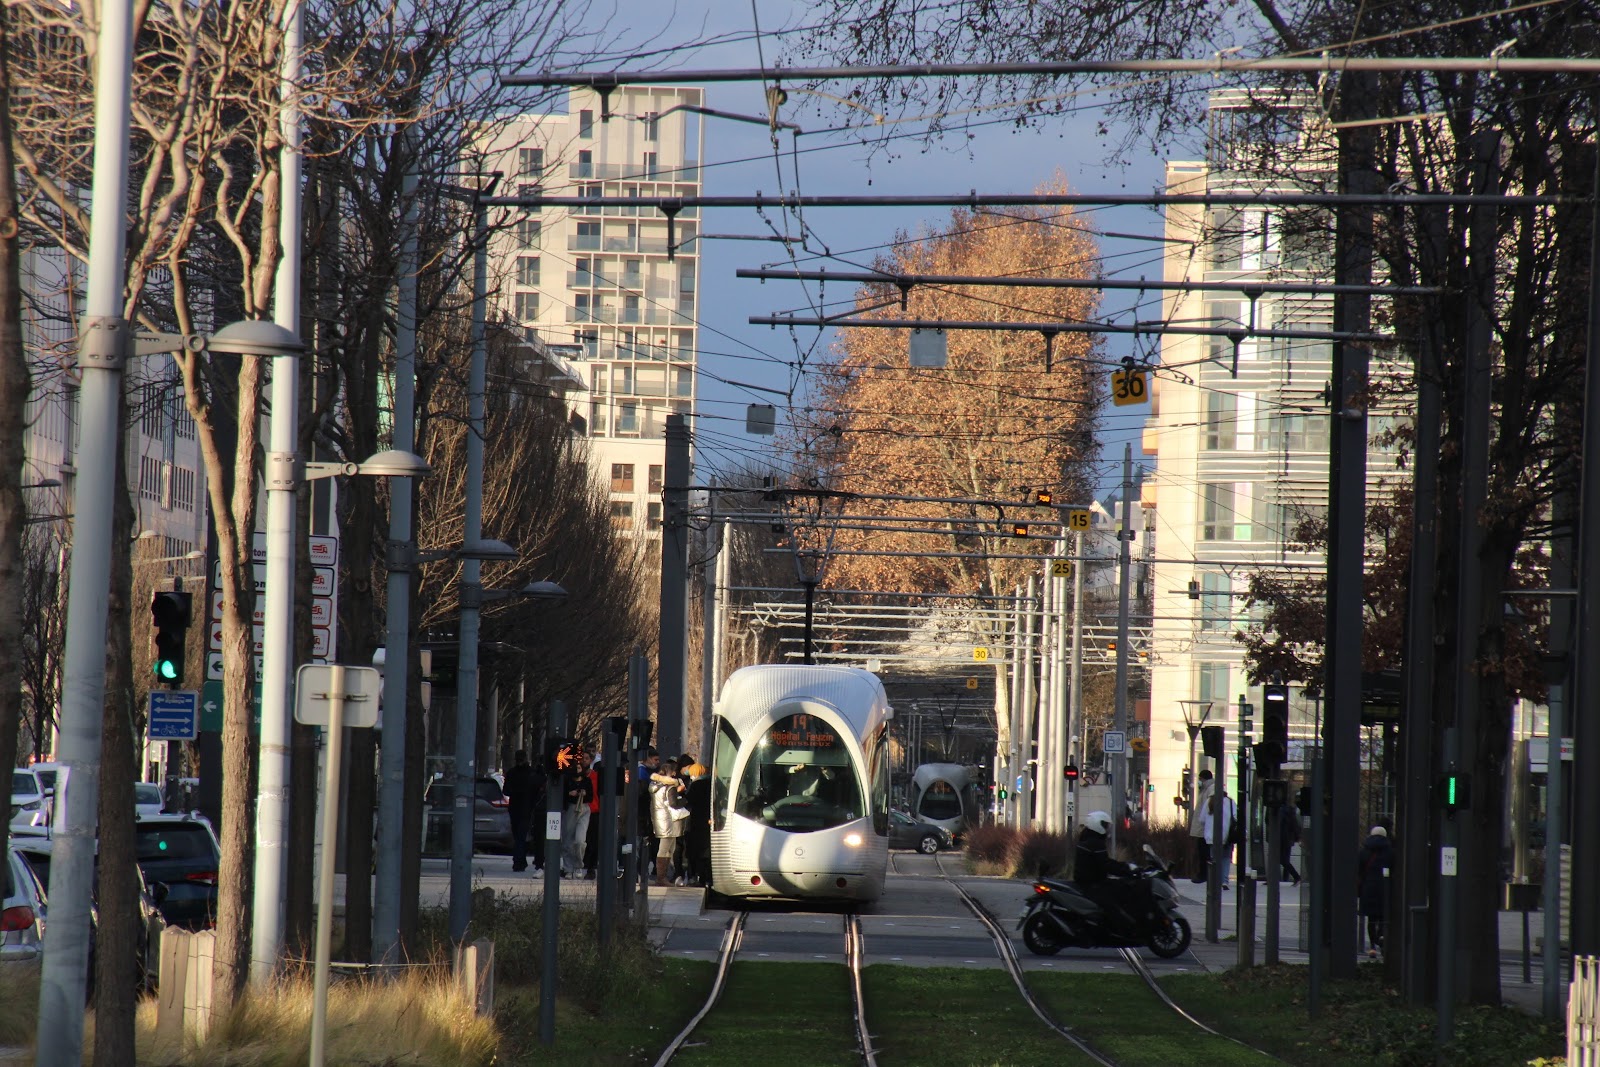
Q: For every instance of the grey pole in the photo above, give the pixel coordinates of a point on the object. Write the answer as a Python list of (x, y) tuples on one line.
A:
[(605, 873), (1269, 950), (1018, 755), (277, 624), (397, 626), (333, 756), (1049, 775), (551, 935), (1119, 780), (1449, 842), (1075, 739), (1219, 793), (1585, 916), (102, 353), (1551, 1000), (672, 636), (471, 597), (1026, 703), (709, 637), (641, 869)]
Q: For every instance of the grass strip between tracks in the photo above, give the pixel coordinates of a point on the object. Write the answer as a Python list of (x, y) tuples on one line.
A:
[(1118, 1015), (777, 1013)]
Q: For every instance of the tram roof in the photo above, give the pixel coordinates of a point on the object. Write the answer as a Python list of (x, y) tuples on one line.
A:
[(752, 692)]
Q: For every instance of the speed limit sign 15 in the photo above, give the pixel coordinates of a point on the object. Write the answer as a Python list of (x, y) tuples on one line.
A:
[(1128, 387)]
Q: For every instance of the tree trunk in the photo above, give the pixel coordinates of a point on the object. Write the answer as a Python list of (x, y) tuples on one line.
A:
[(116, 942), (14, 389)]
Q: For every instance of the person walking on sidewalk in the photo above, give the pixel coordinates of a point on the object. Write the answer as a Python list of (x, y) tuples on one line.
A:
[(519, 802), (1288, 834), (578, 790), (1200, 824), (1377, 855)]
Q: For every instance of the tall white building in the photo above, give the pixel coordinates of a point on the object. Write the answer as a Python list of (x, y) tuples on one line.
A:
[(614, 289), (1241, 435)]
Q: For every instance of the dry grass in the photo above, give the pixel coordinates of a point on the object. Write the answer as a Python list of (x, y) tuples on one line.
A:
[(416, 1021), (19, 1005), (1007, 852)]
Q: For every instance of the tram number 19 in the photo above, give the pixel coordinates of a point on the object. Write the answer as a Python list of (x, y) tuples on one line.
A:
[(1128, 387)]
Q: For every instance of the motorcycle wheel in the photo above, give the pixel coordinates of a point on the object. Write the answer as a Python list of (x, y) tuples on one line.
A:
[(1171, 940), (1041, 935)]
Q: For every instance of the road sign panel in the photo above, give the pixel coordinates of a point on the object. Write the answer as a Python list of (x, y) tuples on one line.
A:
[(1114, 742), (972, 683), (1128, 387), (1079, 519), (313, 683), (1061, 568), (174, 714), (980, 655)]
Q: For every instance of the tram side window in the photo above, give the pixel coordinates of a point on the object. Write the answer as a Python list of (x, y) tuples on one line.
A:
[(880, 784), (722, 772), (801, 778)]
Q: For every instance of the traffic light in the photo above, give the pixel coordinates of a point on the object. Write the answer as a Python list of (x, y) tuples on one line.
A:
[(1455, 791), (1070, 771), (560, 755), (1194, 589), (1275, 720), (169, 622), (1002, 792)]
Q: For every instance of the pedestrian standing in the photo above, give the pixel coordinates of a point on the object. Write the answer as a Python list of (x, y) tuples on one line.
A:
[(1288, 834), (1220, 849), (519, 802), (591, 844), (666, 793), (697, 838), (1372, 885), (644, 776), (578, 791), (1200, 825)]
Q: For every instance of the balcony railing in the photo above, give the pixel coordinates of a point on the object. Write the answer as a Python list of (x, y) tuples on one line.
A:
[(633, 172), (600, 314), (583, 242)]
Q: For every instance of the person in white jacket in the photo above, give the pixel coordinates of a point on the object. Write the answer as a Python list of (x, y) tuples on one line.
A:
[(1199, 812), (1219, 849)]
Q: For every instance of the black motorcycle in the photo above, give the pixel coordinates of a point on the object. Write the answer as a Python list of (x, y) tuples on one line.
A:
[(1060, 914)]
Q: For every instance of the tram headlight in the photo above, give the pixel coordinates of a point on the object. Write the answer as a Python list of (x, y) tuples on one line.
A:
[(853, 840)]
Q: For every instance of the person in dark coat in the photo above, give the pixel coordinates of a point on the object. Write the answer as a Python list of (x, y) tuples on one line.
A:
[(1288, 834), (1093, 870), (520, 802), (697, 839), (1372, 886)]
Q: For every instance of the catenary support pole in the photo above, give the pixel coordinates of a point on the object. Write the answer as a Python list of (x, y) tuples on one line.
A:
[(1585, 917), (708, 634), (400, 558), (1049, 771), (1014, 772), (471, 600), (103, 350), (1119, 765), (672, 635), (638, 717), (1077, 731), (277, 624), (1028, 702)]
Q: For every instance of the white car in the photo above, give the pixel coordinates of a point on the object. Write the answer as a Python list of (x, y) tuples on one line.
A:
[(146, 799), (22, 911), (30, 806)]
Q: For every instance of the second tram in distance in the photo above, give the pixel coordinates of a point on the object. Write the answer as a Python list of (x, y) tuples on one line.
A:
[(800, 784), (944, 794)]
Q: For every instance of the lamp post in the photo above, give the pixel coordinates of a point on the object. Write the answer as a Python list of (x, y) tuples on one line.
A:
[(1195, 713)]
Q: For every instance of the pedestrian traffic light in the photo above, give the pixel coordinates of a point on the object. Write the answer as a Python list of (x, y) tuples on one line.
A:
[(1275, 720), (169, 622), (1071, 772), (1455, 791), (560, 755), (1002, 792), (1194, 589)]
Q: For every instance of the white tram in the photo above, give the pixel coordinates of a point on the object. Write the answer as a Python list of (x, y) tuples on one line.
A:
[(800, 784), (944, 794)]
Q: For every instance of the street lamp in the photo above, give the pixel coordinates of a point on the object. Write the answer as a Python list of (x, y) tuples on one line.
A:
[(1195, 713)]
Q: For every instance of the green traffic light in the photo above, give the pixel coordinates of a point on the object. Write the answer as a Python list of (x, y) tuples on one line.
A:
[(1450, 784), (166, 670)]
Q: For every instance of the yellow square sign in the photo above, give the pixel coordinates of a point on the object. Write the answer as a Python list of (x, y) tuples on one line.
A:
[(1128, 387)]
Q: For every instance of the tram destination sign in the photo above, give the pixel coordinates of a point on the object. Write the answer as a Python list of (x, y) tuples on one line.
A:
[(803, 732)]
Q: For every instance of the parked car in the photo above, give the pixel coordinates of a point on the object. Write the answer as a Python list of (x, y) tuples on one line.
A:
[(491, 816), (29, 805), (147, 799), (180, 853), (906, 832), (38, 850), (22, 913)]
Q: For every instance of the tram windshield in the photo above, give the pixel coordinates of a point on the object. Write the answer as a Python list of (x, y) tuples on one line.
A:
[(941, 801), (800, 778)]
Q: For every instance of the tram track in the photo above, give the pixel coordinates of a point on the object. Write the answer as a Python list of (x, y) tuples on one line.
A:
[(1130, 956), (733, 940)]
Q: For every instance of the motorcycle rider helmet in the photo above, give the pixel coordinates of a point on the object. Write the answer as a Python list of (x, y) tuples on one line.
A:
[(1098, 821)]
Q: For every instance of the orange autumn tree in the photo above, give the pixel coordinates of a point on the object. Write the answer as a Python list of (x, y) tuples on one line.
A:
[(992, 425)]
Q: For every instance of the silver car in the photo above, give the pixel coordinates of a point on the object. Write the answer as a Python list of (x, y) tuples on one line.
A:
[(22, 913)]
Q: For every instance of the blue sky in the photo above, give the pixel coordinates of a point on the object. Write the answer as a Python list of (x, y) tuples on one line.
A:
[(995, 158)]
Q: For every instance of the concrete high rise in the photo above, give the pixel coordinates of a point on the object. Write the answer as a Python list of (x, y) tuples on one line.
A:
[(610, 289)]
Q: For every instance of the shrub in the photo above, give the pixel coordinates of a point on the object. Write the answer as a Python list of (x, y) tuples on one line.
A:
[(992, 850), (1170, 839), (1042, 853)]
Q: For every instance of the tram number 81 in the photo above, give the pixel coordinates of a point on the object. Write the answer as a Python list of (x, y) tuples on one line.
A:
[(1128, 387)]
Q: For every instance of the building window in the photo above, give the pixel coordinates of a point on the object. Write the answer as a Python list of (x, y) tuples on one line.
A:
[(585, 164), (528, 271), (622, 477), (1217, 513), (150, 421), (589, 191), (627, 418), (529, 231), (651, 168), (652, 126), (183, 493), (682, 381), (587, 238), (1222, 419), (1213, 686), (527, 309), (653, 516), (621, 379), (655, 479), (149, 478), (586, 124), (622, 514), (1216, 606), (686, 279), (530, 189), (630, 309), (597, 418), (530, 163)]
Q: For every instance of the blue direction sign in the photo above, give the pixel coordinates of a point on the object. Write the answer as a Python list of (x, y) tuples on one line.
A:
[(174, 714)]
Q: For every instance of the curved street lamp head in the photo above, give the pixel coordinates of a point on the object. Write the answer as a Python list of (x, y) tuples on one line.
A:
[(487, 550), (255, 337), (545, 590), (394, 463)]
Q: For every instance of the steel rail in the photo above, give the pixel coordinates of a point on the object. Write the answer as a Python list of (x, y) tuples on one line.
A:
[(1132, 958), (732, 937), (1008, 958), (854, 955)]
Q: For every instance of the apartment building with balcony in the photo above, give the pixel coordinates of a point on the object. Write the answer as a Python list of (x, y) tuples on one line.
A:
[(1240, 431), (612, 289)]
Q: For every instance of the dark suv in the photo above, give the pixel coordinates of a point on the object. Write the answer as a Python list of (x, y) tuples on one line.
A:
[(491, 815), (180, 853)]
